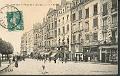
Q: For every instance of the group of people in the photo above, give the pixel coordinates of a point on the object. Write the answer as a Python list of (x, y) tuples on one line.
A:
[(16, 59)]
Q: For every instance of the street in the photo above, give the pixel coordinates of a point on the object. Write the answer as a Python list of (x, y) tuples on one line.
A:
[(34, 67)]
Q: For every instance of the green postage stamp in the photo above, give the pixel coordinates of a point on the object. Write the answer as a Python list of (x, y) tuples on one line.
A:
[(11, 18), (15, 21)]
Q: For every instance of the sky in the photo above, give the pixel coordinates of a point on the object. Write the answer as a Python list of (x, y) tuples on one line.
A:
[(31, 15)]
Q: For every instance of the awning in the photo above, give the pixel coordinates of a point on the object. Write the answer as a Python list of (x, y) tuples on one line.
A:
[(114, 46), (91, 53), (47, 53), (53, 54)]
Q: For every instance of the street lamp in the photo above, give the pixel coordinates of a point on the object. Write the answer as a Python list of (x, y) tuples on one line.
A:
[(0, 60)]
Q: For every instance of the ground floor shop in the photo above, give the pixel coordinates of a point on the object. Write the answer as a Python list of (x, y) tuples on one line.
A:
[(109, 54), (91, 53)]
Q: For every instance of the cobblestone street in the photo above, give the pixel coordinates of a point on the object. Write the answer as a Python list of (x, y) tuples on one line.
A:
[(34, 67)]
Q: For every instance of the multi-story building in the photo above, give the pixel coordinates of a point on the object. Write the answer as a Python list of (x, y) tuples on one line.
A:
[(77, 17), (30, 43), (24, 44), (44, 35), (36, 37), (27, 43), (79, 30), (51, 29), (64, 29), (94, 30), (109, 31)]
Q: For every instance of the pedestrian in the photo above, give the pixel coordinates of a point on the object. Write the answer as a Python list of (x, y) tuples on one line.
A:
[(13, 58), (62, 60), (55, 60), (16, 63), (43, 68)]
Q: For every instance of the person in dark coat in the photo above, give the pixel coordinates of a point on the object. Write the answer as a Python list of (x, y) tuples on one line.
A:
[(16, 63), (13, 58), (55, 60)]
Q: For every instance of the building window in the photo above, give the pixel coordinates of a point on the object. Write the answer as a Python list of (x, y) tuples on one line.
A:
[(68, 40), (95, 9), (55, 33), (67, 27), (63, 30), (113, 38), (74, 16), (114, 4), (114, 18), (52, 25), (87, 36), (59, 31), (80, 14), (67, 17), (74, 38), (105, 23), (63, 19), (55, 23), (105, 11), (95, 36), (63, 11), (87, 13), (87, 26), (95, 22), (49, 26), (59, 21)]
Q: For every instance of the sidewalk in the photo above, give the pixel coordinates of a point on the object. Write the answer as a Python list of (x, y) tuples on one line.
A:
[(4, 65)]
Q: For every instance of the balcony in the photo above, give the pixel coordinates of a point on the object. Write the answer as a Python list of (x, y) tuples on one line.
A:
[(113, 41), (94, 42), (77, 42), (114, 26), (104, 29), (113, 10), (76, 30)]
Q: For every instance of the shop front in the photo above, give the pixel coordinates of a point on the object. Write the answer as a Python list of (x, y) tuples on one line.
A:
[(79, 56), (109, 54), (94, 54), (86, 53)]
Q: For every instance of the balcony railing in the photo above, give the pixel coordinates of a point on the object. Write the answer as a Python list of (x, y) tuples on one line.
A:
[(76, 30), (113, 10), (94, 42), (114, 25)]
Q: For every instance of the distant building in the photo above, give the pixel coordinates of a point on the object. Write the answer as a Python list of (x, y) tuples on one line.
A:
[(78, 30), (36, 36), (51, 21), (27, 43)]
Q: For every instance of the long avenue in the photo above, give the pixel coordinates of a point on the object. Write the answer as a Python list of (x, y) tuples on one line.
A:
[(34, 67)]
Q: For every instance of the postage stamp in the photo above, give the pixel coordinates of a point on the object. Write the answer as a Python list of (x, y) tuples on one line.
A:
[(11, 18)]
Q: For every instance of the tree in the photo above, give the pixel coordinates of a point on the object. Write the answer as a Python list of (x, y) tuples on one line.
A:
[(6, 48)]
